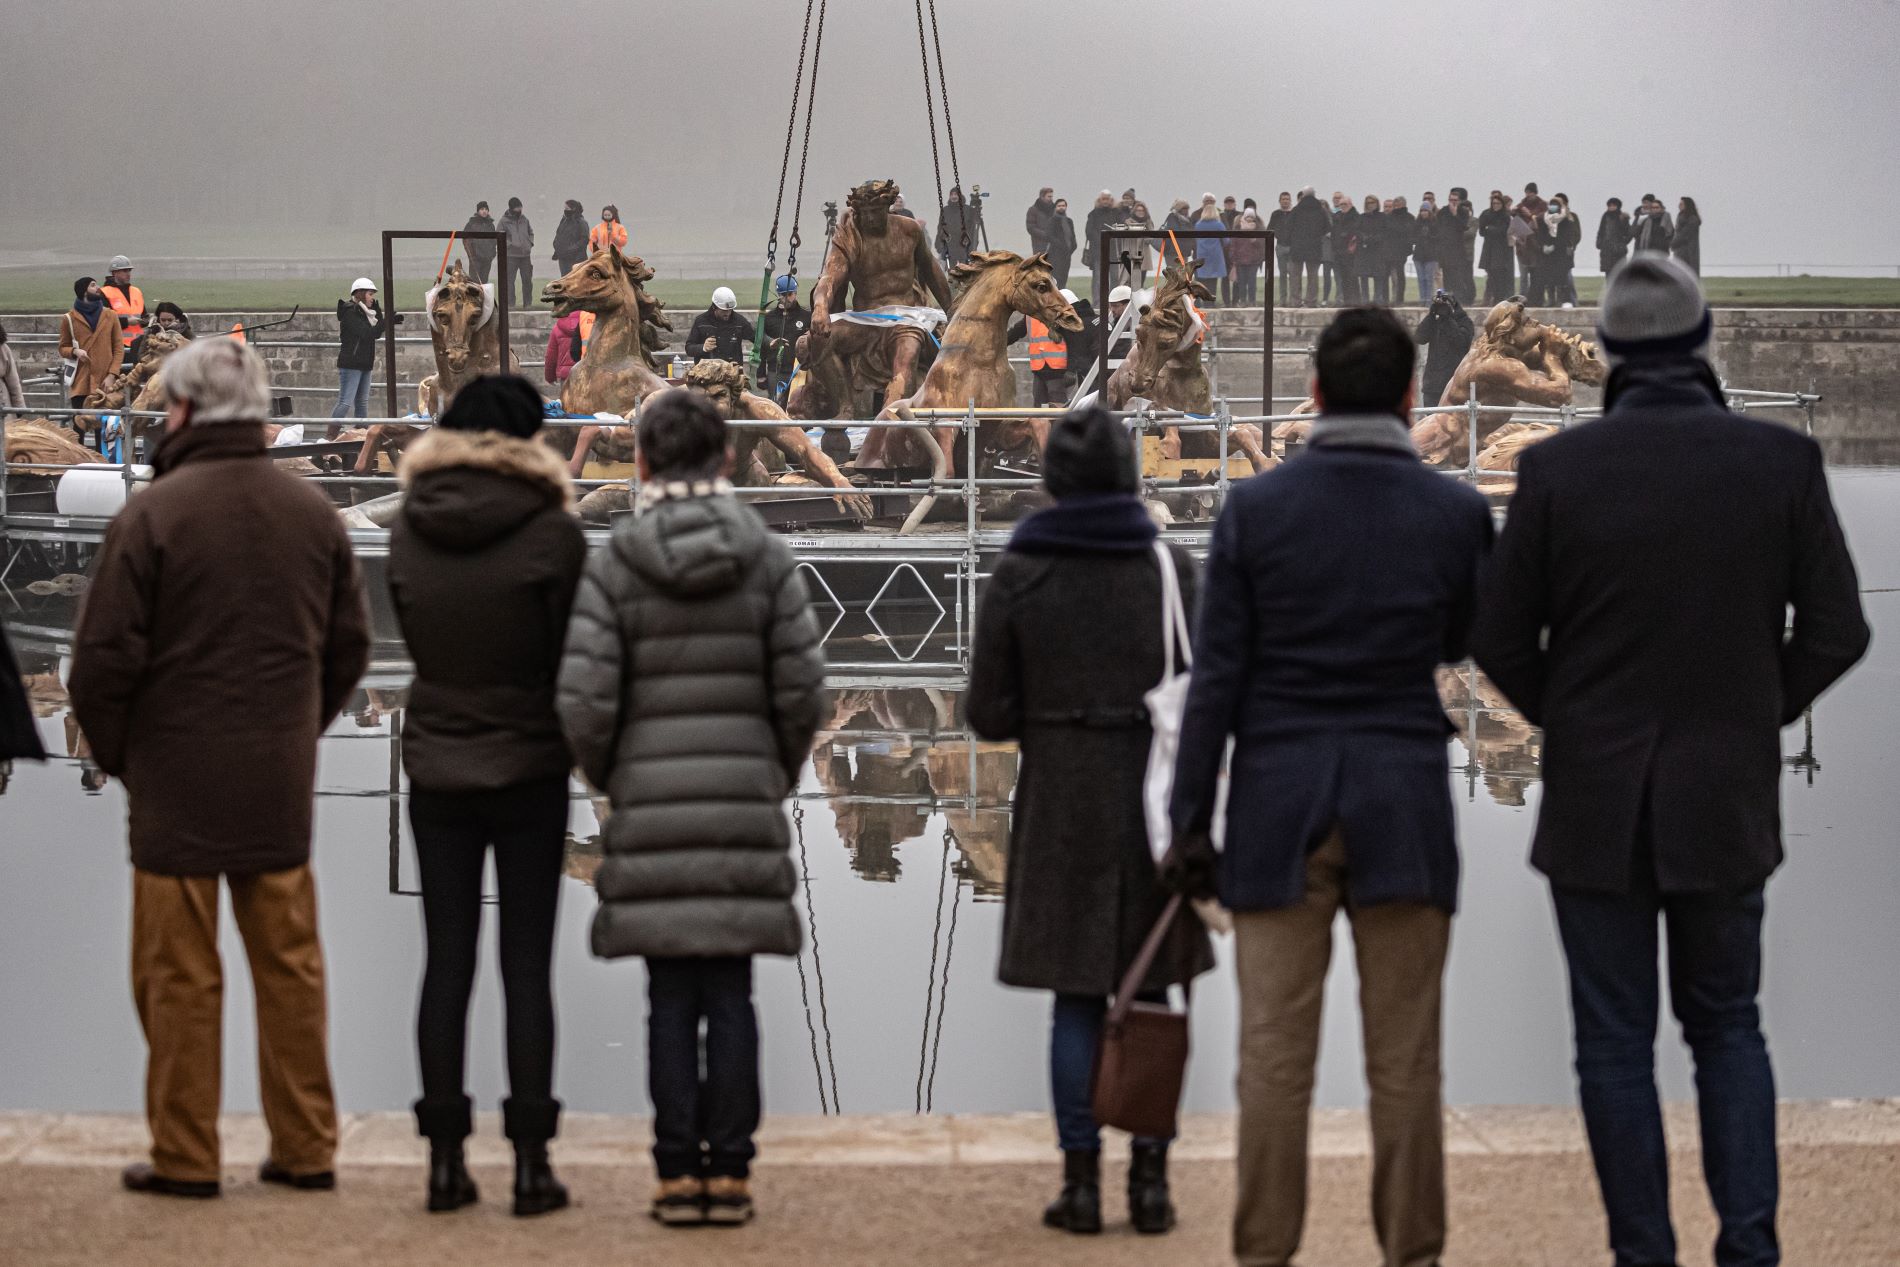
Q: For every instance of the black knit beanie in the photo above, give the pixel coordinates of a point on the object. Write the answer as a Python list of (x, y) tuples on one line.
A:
[(495, 402), (1088, 452)]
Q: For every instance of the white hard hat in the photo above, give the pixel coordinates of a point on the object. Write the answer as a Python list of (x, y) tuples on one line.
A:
[(118, 262), (724, 298), (1068, 294), (1120, 295), (362, 283)]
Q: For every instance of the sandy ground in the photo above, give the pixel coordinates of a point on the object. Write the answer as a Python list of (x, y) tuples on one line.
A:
[(1530, 1208)]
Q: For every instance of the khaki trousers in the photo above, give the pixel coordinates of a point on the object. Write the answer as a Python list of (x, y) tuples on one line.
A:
[(178, 984), (1282, 957)]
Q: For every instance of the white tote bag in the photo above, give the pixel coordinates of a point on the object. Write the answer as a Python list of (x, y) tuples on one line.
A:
[(1167, 703)]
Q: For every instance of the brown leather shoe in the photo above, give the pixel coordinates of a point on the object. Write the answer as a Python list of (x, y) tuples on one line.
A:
[(679, 1202), (140, 1177), (315, 1181), (728, 1201)]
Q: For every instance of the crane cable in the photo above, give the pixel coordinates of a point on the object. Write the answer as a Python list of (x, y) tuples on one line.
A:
[(805, 43)]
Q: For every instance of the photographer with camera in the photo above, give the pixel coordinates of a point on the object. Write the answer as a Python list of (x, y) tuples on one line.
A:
[(1446, 332), (959, 229)]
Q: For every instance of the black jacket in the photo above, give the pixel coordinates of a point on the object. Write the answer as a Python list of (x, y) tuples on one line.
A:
[(729, 337), (358, 350), (1636, 610), (1447, 332), (1099, 218), (1401, 230), (959, 231), (1346, 237), (480, 250), (570, 237), (1494, 231), (1613, 238), (1373, 226), (1061, 237), (19, 735), (1068, 638), (1276, 225), (1306, 227), (483, 562), (1687, 244), (783, 328), (1337, 583)]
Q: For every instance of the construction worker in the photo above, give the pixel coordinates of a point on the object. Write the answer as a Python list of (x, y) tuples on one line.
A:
[(609, 232), (1124, 344), (784, 326), (1048, 358), (126, 300), (717, 333)]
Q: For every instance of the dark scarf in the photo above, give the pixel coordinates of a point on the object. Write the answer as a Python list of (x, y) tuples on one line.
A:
[(90, 309), (1090, 523), (1667, 375)]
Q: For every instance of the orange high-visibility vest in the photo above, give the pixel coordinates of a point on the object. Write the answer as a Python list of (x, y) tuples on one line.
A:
[(128, 306), (586, 324), (237, 332), (1046, 352), (601, 234)]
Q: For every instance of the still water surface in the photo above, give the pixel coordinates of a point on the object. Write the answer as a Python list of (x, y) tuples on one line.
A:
[(903, 830)]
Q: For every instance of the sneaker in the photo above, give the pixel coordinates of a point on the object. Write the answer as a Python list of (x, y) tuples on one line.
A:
[(728, 1201), (679, 1202)]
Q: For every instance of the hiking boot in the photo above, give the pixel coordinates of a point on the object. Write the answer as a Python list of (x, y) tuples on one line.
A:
[(537, 1191), (450, 1188), (679, 1202), (1149, 1208), (728, 1201), (1079, 1207)]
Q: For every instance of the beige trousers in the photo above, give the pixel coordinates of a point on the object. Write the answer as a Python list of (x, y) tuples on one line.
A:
[(178, 984), (1282, 958)]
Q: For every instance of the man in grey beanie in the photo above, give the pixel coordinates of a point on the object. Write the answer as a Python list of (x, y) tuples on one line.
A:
[(1635, 609)]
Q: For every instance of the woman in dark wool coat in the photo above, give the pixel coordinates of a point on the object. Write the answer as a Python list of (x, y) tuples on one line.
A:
[(1068, 640)]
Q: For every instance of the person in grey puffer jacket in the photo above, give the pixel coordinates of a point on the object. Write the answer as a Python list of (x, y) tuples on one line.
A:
[(690, 690)]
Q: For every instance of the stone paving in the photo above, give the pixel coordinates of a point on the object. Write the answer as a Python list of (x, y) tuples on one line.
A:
[(896, 1188)]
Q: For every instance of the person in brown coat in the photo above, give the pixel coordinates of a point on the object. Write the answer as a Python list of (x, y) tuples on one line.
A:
[(224, 630), (89, 334)]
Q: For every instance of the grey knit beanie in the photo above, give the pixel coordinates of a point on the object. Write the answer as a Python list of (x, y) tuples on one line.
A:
[(1653, 306)]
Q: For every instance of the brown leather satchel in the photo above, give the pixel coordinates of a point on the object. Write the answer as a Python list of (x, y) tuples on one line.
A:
[(1142, 1059)]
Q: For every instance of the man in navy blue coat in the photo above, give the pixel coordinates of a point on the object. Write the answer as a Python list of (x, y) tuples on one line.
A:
[(1336, 586), (1637, 609)]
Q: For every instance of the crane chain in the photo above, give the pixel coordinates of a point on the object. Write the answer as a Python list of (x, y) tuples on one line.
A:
[(791, 125), (804, 149), (930, 105), (949, 128)]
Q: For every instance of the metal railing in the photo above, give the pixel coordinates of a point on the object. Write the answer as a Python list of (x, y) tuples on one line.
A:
[(945, 555)]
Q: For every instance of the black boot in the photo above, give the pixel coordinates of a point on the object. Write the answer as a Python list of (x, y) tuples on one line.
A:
[(1079, 1208), (1149, 1208), (450, 1188), (537, 1191)]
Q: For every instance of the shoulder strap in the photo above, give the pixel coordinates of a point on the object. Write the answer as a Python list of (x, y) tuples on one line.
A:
[(1144, 960), (1174, 624)]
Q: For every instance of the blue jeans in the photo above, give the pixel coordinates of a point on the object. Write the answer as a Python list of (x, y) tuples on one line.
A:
[(1427, 280), (352, 387), (703, 1123), (1075, 1031), (1610, 943)]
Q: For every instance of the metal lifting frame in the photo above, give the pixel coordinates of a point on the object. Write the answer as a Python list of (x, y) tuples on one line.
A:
[(1108, 259), (502, 288)]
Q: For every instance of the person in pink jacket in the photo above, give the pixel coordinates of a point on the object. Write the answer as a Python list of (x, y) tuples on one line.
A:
[(564, 348)]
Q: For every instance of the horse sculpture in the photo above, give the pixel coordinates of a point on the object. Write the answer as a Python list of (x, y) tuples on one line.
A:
[(1166, 368), (1515, 359), (972, 366), (136, 388), (467, 344), (616, 373)]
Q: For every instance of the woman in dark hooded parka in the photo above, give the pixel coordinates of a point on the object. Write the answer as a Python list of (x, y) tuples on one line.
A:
[(483, 564), (1068, 640)]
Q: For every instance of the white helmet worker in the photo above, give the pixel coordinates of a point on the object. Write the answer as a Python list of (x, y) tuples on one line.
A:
[(1068, 295), (724, 298), (362, 283), (118, 262), (1120, 295)]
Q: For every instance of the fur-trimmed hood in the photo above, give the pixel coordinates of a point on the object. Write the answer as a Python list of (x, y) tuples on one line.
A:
[(468, 489)]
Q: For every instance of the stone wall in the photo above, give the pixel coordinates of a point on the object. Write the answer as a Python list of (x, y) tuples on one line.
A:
[(1849, 355)]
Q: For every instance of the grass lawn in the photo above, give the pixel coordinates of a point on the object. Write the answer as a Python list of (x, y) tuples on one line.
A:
[(22, 291)]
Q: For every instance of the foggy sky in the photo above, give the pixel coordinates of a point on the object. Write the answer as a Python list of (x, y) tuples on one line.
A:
[(1779, 119)]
